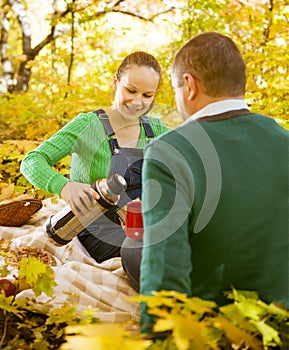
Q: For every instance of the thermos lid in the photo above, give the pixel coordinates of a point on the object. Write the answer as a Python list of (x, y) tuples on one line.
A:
[(116, 183), (134, 207)]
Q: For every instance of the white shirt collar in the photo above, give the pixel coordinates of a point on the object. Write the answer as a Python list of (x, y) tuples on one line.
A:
[(218, 108)]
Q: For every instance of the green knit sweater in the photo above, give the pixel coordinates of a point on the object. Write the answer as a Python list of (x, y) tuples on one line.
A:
[(83, 138), (221, 216)]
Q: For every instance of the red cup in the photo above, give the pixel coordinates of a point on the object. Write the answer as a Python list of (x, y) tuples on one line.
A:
[(134, 222)]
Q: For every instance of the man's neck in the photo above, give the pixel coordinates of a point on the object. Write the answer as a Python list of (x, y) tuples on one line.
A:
[(219, 106), (205, 100)]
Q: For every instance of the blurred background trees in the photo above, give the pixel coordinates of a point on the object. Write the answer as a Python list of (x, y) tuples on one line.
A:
[(58, 57)]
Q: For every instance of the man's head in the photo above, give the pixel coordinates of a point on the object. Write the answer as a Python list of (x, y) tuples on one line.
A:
[(208, 68)]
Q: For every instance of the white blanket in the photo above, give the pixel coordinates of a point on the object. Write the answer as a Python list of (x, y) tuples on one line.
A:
[(80, 279)]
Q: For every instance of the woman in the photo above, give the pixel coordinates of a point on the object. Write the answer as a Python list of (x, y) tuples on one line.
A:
[(101, 143)]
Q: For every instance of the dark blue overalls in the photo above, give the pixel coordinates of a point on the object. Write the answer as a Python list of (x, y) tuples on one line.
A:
[(104, 237)]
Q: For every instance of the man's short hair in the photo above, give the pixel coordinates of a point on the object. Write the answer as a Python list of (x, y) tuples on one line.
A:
[(215, 60)]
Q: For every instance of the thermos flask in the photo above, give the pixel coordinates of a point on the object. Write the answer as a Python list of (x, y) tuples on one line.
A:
[(64, 226)]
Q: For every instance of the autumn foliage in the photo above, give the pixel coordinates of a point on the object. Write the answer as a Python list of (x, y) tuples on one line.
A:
[(70, 71), (246, 322)]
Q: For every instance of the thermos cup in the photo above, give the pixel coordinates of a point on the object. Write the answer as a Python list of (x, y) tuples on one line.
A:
[(134, 221)]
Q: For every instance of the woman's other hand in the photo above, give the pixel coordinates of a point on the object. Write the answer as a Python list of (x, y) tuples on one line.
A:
[(79, 196)]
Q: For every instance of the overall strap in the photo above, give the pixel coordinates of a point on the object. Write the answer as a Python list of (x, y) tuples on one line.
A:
[(105, 121), (147, 126), (114, 146)]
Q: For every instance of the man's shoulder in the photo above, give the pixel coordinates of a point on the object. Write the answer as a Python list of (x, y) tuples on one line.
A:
[(173, 137), (272, 125)]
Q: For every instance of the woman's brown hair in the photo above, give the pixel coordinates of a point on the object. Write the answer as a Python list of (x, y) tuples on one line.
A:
[(138, 58)]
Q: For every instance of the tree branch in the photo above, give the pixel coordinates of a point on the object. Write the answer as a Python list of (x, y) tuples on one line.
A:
[(71, 44), (49, 38), (142, 17), (266, 30), (20, 12), (114, 3), (54, 33)]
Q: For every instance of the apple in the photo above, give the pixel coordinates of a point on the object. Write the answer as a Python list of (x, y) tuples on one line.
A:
[(7, 286)]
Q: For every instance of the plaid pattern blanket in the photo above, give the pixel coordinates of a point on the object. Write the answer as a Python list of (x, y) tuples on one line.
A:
[(80, 279)]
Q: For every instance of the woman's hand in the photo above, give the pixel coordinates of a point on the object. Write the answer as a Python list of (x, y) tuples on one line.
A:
[(79, 196)]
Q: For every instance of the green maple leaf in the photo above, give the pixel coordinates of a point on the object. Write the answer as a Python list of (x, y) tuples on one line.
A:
[(269, 334), (6, 304), (252, 309), (4, 271), (64, 314), (36, 275), (44, 284)]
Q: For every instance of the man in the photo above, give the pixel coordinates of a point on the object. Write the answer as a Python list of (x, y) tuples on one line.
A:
[(215, 189)]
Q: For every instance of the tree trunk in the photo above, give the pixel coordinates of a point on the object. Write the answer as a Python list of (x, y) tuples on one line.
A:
[(19, 81), (16, 82), (7, 82), (23, 78)]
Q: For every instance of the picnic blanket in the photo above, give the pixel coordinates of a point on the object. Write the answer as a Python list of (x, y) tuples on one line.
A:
[(79, 278)]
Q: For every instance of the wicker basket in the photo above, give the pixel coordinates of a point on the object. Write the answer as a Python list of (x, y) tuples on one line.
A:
[(16, 213)]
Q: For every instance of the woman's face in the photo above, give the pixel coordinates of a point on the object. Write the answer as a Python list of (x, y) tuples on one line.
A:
[(135, 91)]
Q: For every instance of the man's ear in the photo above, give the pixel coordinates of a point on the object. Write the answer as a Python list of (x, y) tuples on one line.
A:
[(191, 86)]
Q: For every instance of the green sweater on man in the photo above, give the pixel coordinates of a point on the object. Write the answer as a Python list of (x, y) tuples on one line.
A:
[(215, 202)]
